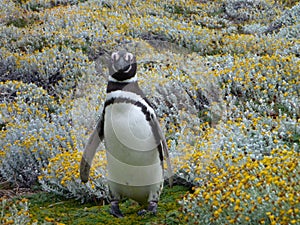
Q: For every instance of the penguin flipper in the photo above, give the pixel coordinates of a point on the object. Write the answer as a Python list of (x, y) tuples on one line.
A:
[(90, 150), (162, 147)]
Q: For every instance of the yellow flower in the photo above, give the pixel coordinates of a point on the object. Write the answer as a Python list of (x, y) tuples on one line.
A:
[(236, 208), (24, 200), (262, 221), (48, 219), (217, 212), (232, 221), (197, 191)]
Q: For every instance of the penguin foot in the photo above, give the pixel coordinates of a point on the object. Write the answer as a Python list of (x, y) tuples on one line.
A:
[(115, 210), (152, 209), (142, 212)]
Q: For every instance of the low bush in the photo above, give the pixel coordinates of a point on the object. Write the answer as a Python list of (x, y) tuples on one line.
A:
[(61, 176), (34, 129), (55, 69), (14, 213), (247, 191)]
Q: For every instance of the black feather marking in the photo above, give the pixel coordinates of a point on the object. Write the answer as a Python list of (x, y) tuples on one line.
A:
[(100, 126), (130, 101), (128, 86), (160, 152)]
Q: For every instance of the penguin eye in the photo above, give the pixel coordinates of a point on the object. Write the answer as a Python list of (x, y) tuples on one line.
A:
[(129, 57), (115, 56)]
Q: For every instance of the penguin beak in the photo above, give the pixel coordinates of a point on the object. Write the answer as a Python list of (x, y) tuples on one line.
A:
[(123, 64)]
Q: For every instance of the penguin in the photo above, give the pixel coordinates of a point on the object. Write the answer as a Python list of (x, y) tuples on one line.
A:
[(135, 144)]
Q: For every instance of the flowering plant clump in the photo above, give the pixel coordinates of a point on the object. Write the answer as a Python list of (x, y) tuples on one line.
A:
[(232, 166), (247, 191), (61, 176), (55, 69), (37, 129), (289, 18), (16, 96), (266, 84), (14, 213)]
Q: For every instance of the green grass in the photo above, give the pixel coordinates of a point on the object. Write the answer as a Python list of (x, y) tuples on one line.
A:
[(54, 209)]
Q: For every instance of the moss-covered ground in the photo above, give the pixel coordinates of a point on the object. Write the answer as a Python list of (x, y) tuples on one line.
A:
[(57, 210)]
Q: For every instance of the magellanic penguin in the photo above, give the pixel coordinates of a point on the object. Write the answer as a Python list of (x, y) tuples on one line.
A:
[(134, 142)]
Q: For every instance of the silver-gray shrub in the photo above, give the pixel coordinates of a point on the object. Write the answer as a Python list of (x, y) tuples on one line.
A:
[(289, 17), (14, 212), (245, 10), (56, 69), (35, 129)]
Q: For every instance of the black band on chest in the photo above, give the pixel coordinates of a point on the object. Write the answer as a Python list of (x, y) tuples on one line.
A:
[(130, 101), (126, 86)]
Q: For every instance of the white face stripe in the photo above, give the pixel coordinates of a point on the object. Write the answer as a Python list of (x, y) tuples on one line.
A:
[(132, 79), (128, 57), (114, 68), (127, 71), (115, 56), (131, 96)]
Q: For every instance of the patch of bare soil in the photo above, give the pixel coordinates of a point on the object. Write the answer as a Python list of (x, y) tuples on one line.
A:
[(7, 190)]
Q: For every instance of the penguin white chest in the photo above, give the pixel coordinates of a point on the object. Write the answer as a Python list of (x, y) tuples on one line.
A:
[(132, 154), (130, 126)]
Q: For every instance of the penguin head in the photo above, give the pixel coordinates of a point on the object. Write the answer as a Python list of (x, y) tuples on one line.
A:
[(122, 65)]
